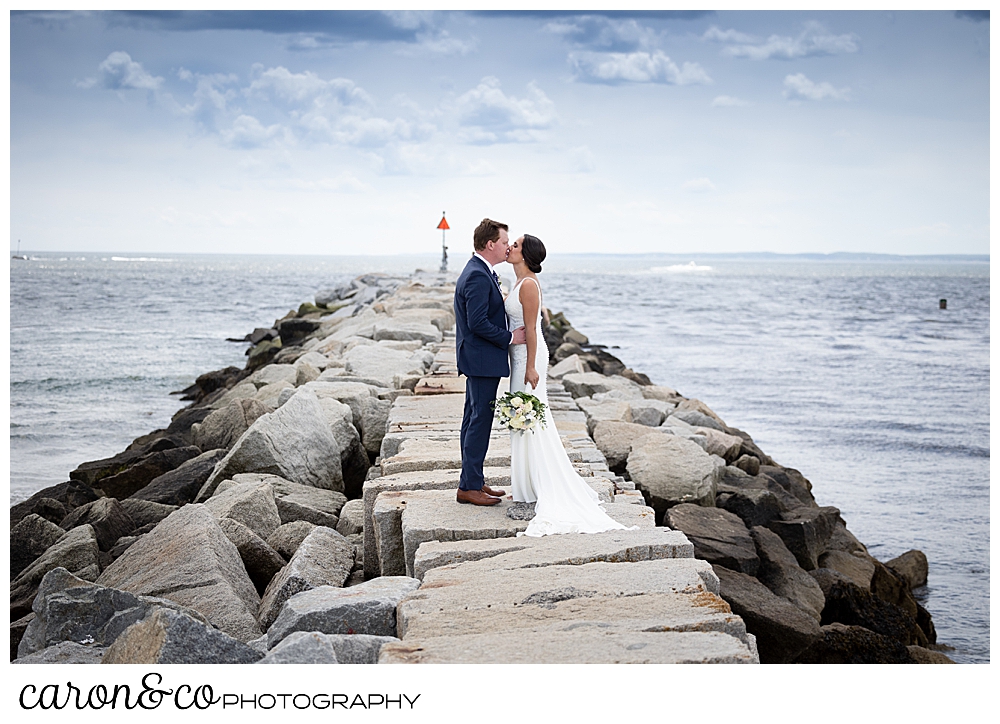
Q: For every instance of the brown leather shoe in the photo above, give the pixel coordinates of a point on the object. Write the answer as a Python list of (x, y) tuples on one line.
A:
[(476, 497), (495, 492)]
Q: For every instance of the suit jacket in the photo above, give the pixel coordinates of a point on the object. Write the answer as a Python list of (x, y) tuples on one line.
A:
[(481, 336)]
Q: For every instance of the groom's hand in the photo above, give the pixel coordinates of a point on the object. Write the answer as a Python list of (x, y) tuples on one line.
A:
[(517, 336)]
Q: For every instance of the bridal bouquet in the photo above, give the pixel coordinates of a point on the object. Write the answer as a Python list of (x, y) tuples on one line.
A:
[(520, 411)]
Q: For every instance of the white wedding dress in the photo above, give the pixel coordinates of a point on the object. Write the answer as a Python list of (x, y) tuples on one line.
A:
[(540, 470)]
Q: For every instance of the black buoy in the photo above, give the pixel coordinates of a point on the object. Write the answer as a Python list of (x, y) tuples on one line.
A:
[(943, 304)]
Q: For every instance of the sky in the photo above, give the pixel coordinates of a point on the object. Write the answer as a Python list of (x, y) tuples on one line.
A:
[(611, 132)]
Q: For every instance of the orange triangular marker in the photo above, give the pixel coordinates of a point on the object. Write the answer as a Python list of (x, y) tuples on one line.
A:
[(443, 224)]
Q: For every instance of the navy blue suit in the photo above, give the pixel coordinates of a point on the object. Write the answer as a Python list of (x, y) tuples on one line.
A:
[(481, 342)]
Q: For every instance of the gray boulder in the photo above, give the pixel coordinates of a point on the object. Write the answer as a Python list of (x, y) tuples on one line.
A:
[(250, 503), (293, 442), (672, 470), (324, 558), (65, 652), (145, 470), (374, 419), (753, 506), (188, 559), (108, 518), (780, 572), (352, 517), (261, 560), (853, 606), (649, 412), (224, 426), (842, 644), (169, 637), (302, 647), (367, 608), (30, 538), (358, 648), (68, 608), (615, 439), (782, 629), (806, 531), (912, 566), (856, 567), (590, 383), (718, 536), (696, 419), (381, 363), (144, 512), (77, 552), (180, 486), (791, 480), (287, 537)]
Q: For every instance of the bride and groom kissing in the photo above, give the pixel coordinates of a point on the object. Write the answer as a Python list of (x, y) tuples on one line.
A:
[(498, 337)]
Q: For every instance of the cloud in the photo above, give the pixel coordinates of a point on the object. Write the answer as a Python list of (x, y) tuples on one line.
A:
[(602, 33), (582, 160), (976, 16), (304, 89), (488, 115), (728, 102), (119, 72), (439, 43), (939, 229), (814, 40), (248, 132), (715, 35), (698, 185), (798, 87), (640, 67)]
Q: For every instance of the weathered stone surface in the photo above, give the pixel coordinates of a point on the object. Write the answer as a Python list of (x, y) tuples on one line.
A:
[(615, 440), (67, 495), (250, 503), (920, 655), (859, 569), (69, 608), (65, 652), (324, 558), (358, 648), (271, 374), (108, 518), (892, 587), (782, 629), (29, 539), (222, 428), (590, 383), (293, 442), (302, 647), (748, 464), (753, 506), (144, 512), (145, 470), (383, 364), (270, 395), (368, 608), (575, 646), (842, 644), (169, 637), (305, 372), (77, 552), (188, 559), (912, 566), (287, 537), (242, 391), (805, 532), (610, 410), (735, 480), (791, 480), (853, 606), (423, 454), (718, 536), (725, 446), (374, 421), (261, 561), (352, 517), (568, 365), (180, 486), (696, 419), (780, 572), (843, 540), (612, 546), (298, 502), (649, 412), (96, 470), (671, 470), (404, 330)]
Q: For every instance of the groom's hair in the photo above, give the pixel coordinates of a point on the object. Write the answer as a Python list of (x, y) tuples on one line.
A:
[(487, 231)]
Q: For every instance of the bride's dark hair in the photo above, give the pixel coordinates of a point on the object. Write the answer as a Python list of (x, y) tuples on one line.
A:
[(533, 251)]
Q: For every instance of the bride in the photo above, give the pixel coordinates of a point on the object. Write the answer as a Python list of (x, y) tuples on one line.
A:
[(541, 472)]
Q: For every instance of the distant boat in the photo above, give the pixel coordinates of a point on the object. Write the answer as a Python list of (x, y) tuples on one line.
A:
[(18, 254)]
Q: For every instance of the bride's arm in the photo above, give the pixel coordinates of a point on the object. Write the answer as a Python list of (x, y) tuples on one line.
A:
[(530, 303)]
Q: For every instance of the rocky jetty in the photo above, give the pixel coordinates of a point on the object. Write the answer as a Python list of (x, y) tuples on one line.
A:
[(301, 510)]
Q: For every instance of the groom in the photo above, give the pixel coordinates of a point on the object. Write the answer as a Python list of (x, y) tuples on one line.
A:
[(481, 341)]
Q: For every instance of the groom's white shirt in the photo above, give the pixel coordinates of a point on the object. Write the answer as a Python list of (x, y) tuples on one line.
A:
[(490, 267)]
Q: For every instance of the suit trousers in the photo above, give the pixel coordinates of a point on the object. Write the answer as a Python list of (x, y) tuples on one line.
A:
[(477, 422)]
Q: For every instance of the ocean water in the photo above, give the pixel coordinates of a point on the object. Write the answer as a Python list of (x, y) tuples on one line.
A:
[(844, 369)]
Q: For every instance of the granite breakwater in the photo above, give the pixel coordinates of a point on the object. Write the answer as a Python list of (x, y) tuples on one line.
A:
[(301, 510)]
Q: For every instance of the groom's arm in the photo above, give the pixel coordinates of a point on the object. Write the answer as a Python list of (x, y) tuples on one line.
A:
[(477, 294)]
